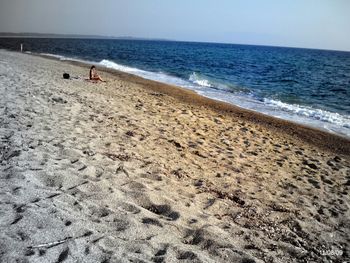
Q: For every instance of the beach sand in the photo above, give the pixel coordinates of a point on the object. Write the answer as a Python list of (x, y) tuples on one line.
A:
[(136, 171)]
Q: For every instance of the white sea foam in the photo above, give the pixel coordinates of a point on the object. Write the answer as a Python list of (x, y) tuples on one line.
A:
[(316, 114), (196, 79), (200, 80), (54, 56), (66, 58), (111, 64), (157, 76)]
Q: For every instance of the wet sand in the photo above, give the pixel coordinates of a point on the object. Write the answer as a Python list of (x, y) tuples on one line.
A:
[(137, 171)]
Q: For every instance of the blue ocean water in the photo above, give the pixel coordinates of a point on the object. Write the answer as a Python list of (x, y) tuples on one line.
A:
[(307, 86)]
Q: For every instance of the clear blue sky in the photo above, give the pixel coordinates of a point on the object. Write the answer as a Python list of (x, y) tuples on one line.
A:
[(300, 23)]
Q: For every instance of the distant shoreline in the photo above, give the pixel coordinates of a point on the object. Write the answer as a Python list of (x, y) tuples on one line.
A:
[(74, 36)]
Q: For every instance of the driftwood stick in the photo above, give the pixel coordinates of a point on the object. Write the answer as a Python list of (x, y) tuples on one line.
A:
[(51, 244)]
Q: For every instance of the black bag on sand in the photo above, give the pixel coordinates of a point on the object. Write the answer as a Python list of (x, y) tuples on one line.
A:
[(66, 76)]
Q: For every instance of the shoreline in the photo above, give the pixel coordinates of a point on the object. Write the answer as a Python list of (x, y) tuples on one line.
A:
[(320, 138), (137, 171)]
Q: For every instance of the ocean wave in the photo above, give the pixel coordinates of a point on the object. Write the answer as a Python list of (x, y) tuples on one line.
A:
[(195, 81), (110, 64), (156, 76), (201, 81), (54, 56), (316, 114), (60, 57)]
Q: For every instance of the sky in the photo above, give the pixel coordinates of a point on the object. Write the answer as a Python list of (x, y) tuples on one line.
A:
[(323, 24)]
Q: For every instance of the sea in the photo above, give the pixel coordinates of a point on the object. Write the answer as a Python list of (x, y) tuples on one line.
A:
[(306, 86)]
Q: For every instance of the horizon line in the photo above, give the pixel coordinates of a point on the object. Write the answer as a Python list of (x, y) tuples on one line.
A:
[(84, 36)]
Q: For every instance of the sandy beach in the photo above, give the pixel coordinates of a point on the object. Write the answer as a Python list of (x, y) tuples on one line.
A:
[(137, 171)]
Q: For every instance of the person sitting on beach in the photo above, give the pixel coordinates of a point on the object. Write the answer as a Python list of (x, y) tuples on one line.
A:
[(94, 75)]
